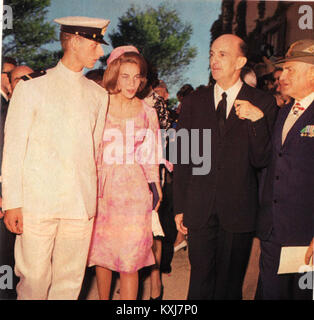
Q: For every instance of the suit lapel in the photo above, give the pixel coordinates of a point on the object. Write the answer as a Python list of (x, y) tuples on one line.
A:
[(282, 116), (302, 121), (211, 101), (209, 104)]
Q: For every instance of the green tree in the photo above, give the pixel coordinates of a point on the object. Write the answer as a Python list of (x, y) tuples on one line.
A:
[(30, 32), (161, 37)]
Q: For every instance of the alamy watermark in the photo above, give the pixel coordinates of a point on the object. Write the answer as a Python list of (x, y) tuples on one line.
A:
[(306, 20), (145, 146), (7, 17), (306, 281), (6, 277)]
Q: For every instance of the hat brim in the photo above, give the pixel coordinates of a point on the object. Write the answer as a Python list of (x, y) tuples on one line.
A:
[(103, 42), (88, 33), (305, 59)]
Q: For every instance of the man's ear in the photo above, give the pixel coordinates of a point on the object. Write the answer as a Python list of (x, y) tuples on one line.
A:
[(311, 74), (241, 61), (74, 43)]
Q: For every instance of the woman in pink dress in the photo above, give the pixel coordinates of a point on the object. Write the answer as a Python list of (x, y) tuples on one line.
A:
[(127, 164)]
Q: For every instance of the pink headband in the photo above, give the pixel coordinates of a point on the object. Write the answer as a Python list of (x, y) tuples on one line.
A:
[(117, 52)]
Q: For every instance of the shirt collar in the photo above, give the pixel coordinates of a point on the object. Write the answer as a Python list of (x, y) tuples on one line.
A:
[(231, 91), (305, 102)]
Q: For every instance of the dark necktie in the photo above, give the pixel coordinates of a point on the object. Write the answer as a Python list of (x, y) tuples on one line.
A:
[(221, 112)]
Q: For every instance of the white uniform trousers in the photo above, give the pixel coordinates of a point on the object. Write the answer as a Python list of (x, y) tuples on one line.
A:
[(50, 258)]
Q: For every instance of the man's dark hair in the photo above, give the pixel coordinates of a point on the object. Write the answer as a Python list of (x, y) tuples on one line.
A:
[(184, 90), (244, 49), (95, 75), (9, 60)]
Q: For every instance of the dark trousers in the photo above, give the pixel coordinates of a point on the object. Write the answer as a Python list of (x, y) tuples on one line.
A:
[(273, 286), (218, 261), (168, 224)]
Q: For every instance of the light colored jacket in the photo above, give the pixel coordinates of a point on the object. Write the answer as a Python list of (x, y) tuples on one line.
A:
[(53, 124)]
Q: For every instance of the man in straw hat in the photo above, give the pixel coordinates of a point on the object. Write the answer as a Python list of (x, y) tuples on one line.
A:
[(286, 214), (53, 127)]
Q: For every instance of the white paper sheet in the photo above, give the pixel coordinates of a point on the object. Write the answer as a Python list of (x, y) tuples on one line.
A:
[(156, 226), (292, 260)]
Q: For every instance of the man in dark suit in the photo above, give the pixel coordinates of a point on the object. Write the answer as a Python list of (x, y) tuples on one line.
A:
[(287, 207), (218, 208)]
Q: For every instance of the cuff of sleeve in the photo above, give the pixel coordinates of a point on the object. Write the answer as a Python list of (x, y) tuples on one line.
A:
[(258, 125), (11, 202)]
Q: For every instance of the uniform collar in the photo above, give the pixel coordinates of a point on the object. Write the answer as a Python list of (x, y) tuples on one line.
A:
[(5, 96), (69, 73)]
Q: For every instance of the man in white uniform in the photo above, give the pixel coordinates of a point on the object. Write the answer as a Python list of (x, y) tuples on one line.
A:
[(53, 127)]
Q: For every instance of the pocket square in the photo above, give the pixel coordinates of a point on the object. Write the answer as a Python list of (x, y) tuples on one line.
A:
[(308, 131)]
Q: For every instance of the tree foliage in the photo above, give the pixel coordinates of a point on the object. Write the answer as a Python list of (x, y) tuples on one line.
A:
[(30, 32), (161, 37)]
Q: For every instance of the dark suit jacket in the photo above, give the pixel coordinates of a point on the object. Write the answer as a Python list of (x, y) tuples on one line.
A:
[(288, 195), (231, 185)]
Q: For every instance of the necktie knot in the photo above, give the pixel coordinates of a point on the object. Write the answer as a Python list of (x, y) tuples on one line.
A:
[(224, 96)]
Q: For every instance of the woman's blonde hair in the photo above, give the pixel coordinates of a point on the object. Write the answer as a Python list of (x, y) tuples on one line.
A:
[(112, 72)]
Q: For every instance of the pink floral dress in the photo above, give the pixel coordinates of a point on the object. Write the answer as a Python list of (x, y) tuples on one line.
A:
[(122, 236)]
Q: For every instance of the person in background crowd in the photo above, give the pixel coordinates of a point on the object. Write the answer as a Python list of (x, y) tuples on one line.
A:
[(122, 237), (8, 64), (18, 73), (282, 99), (159, 102), (248, 76), (218, 209), (54, 124), (162, 246), (286, 214), (276, 76), (161, 89), (186, 89)]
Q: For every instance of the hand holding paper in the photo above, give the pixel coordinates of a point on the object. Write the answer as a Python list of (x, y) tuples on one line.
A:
[(309, 253), (292, 259)]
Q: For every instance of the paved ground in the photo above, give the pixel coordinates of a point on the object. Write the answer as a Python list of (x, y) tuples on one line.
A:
[(176, 282)]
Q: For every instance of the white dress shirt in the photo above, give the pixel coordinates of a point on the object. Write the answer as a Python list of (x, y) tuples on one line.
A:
[(232, 93)]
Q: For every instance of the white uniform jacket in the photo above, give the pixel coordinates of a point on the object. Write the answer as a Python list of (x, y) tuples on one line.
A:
[(53, 128)]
